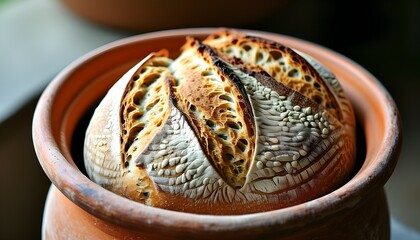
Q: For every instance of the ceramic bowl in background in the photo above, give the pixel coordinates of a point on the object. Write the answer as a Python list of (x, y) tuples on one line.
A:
[(141, 15)]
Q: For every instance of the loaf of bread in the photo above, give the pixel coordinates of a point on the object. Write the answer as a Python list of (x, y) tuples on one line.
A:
[(235, 124)]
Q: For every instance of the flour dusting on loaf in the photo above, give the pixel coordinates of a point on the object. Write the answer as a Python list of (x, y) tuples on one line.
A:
[(235, 124)]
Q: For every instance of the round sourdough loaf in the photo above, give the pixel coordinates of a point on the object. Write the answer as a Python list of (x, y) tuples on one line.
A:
[(235, 124)]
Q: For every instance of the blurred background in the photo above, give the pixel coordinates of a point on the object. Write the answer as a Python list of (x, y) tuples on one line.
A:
[(40, 37)]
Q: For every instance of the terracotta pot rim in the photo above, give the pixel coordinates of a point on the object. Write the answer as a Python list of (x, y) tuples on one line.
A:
[(111, 207)]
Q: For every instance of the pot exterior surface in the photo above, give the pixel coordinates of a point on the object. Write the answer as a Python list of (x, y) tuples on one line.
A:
[(65, 220), (77, 208)]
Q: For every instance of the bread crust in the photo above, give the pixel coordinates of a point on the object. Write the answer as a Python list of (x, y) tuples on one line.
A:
[(236, 124)]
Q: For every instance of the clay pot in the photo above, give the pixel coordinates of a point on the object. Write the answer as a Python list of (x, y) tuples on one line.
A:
[(77, 208)]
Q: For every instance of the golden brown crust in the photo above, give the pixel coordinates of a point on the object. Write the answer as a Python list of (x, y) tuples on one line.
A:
[(145, 105)]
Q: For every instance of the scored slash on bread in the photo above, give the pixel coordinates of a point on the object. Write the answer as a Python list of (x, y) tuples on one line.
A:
[(236, 124), (218, 109), (278, 61)]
